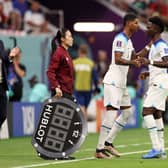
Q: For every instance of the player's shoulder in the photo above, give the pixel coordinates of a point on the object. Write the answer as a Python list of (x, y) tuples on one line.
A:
[(121, 36), (160, 43)]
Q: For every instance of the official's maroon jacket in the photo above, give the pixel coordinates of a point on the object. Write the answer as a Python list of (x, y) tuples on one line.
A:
[(60, 70)]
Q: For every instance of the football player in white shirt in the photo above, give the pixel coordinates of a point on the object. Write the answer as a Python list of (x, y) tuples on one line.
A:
[(115, 90), (155, 98)]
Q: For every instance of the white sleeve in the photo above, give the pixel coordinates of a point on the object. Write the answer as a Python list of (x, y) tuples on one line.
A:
[(119, 44), (163, 49)]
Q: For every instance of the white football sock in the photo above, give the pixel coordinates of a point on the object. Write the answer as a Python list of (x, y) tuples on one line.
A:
[(152, 129), (109, 117), (160, 130), (119, 124)]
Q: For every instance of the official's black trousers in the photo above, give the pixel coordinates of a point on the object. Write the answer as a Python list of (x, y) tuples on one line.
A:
[(3, 104)]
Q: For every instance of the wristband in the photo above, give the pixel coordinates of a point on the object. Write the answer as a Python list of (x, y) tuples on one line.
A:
[(147, 47), (151, 62)]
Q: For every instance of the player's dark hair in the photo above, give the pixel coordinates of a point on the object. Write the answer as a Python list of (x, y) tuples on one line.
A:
[(129, 17), (56, 41), (158, 22)]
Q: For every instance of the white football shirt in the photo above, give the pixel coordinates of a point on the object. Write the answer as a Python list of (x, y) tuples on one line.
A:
[(117, 74), (158, 50)]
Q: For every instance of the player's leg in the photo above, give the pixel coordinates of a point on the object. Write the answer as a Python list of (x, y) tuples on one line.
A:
[(151, 104), (160, 130), (152, 129), (112, 96), (161, 98), (120, 122)]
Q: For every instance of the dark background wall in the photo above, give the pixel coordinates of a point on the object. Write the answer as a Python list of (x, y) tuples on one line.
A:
[(90, 10)]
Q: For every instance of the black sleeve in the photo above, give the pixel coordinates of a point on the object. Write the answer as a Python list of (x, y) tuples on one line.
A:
[(4, 54), (22, 67), (2, 49)]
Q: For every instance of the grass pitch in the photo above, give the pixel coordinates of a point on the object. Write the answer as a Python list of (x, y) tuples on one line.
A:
[(132, 143)]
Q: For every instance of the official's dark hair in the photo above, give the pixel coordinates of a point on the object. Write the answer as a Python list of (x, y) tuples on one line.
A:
[(57, 39), (157, 21), (129, 17)]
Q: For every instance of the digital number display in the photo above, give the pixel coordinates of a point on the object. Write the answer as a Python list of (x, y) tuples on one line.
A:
[(61, 128)]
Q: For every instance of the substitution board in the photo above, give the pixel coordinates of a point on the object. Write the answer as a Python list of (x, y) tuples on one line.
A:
[(61, 129)]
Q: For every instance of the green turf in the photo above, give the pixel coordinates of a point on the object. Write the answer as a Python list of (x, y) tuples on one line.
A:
[(19, 152)]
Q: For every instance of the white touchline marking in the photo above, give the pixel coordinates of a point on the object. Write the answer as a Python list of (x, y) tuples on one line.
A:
[(53, 163), (76, 160), (135, 144), (121, 146), (118, 146)]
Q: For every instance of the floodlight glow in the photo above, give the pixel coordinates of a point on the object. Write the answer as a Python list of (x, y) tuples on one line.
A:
[(93, 26)]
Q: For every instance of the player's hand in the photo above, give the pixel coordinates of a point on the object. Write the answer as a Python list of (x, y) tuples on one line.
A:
[(144, 61), (136, 62), (58, 92), (143, 75)]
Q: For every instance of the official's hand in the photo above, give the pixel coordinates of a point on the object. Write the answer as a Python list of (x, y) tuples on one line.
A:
[(58, 92)]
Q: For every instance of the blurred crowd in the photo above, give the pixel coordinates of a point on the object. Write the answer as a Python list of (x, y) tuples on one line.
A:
[(145, 8), (23, 16)]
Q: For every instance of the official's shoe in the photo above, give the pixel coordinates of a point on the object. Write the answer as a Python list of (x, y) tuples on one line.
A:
[(110, 148), (66, 158), (163, 155), (53, 158), (152, 154), (102, 154)]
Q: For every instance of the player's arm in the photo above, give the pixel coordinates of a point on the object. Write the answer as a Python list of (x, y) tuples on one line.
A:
[(163, 63), (143, 52), (120, 61), (160, 64)]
